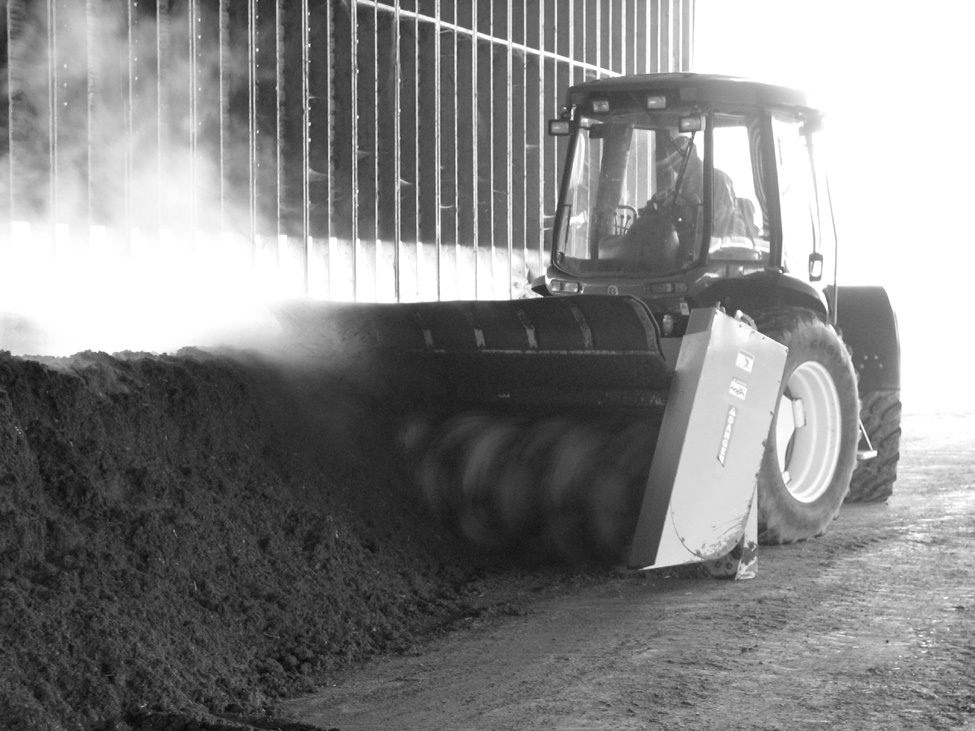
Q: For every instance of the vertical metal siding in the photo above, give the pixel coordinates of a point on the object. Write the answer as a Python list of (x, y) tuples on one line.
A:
[(363, 149)]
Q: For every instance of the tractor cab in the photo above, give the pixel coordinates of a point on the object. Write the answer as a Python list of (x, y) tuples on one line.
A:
[(673, 182)]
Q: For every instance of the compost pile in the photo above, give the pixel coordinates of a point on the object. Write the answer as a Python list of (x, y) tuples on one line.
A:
[(201, 534)]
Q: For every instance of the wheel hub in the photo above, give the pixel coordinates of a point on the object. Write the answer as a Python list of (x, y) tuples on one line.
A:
[(807, 431)]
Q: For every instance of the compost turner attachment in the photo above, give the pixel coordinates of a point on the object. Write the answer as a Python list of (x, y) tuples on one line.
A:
[(557, 425), (701, 497)]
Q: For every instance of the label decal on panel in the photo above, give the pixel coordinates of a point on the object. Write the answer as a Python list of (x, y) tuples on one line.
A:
[(745, 361), (738, 389), (729, 426)]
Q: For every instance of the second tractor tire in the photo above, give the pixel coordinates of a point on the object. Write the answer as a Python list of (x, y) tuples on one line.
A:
[(873, 480)]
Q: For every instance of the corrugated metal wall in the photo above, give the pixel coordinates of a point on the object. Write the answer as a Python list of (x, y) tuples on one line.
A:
[(348, 149)]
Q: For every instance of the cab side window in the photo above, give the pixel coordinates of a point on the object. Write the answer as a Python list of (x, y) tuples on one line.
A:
[(797, 201)]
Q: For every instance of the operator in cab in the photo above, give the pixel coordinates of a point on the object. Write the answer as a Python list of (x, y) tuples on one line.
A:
[(685, 188), (664, 236)]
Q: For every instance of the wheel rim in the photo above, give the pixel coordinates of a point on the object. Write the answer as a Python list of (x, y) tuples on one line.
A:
[(807, 432)]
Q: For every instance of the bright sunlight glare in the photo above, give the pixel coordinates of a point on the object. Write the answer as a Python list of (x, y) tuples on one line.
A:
[(72, 286), (893, 78), (148, 293)]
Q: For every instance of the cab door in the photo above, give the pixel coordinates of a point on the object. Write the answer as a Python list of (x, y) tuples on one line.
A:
[(808, 242)]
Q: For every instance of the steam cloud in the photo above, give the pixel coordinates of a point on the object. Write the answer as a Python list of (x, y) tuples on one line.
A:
[(130, 224)]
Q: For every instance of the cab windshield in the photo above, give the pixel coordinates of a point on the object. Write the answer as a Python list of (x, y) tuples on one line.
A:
[(635, 202)]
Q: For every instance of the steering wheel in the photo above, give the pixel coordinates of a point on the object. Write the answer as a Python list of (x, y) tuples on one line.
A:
[(679, 208)]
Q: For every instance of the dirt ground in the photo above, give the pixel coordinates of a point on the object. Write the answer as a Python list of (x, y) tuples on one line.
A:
[(209, 542), (870, 627)]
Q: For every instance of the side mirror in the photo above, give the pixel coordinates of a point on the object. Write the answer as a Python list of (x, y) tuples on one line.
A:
[(815, 266), (540, 286), (812, 126)]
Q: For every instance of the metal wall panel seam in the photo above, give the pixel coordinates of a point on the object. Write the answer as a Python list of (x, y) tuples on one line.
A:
[(329, 134), (661, 48), (376, 246), (555, 101), (10, 12), (492, 148), (222, 64), (644, 15), (629, 51), (582, 38), (509, 153), (542, 137), (656, 10), (621, 42), (633, 20), (354, 147), (128, 122), (91, 91), (416, 156), (329, 164), (252, 125), (397, 153), (278, 128), (599, 35), (491, 155), (193, 12), (162, 53), (306, 144), (653, 37), (625, 47), (438, 166), (474, 156), (52, 91), (666, 40), (636, 58), (525, 143), (676, 50), (571, 43), (456, 152)]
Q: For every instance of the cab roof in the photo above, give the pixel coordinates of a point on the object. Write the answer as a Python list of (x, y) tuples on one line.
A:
[(704, 89)]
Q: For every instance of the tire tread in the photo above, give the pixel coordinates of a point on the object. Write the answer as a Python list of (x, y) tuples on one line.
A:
[(873, 480)]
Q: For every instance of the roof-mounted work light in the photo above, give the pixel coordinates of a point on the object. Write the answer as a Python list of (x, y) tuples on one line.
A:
[(558, 127), (694, 123)]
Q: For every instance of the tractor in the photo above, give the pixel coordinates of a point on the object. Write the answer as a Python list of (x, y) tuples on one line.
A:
[(693, 271)]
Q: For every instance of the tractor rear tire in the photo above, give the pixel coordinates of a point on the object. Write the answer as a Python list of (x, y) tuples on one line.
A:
[(811, 449), (873, 480)]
